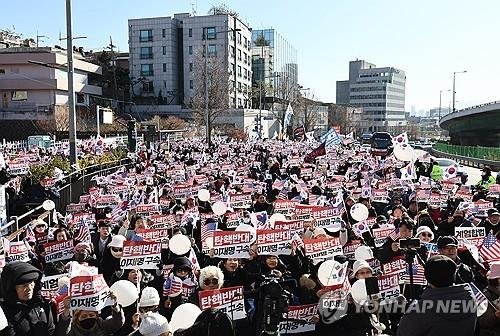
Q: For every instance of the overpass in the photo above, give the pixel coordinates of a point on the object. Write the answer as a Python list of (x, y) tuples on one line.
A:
[(474, 126)]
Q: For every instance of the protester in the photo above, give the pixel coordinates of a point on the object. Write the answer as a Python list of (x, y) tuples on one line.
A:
[(427, 316), (26, 311), (489, 322)]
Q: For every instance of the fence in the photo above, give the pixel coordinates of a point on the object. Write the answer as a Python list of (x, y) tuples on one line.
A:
[(483, 153), (78, 183)]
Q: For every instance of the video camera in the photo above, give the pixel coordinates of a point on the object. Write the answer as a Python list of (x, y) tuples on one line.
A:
[(272, 303), (410, 243)]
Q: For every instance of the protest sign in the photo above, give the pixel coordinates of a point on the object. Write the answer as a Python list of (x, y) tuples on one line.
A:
[(475, 235), (78, 207), (156, 235), (233, 219), (49, 286), (106, 201), (322, 248), (147, 209), (140, 254), (284, 207), (89, 292), (302, 319), (231, 244), (274, 242), (228, 300), (380, 235), (292, 225), (59, 250), (388, 285), (395, 266), (240, 201), (162, 221), (326, 216), (17, 252)]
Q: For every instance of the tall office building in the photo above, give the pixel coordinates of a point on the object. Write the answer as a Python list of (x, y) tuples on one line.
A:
[(380, 91), (164, 50), (274, 63)]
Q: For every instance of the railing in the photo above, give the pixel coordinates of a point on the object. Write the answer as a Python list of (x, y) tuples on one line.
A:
[(78, 182), (452, 114), (476, 152)]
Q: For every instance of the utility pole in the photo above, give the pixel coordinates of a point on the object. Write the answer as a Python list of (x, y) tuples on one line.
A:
[(71, 89), (454, 74), (111, 47), (38, 37)]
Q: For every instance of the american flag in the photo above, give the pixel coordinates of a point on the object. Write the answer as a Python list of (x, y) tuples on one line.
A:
[(82, 233), (313, 199), (120, 211), (279, 184), (418, 272), (490, 250), (283, 195), (172, 286), (394, 235), (478, 295), (207, 230)]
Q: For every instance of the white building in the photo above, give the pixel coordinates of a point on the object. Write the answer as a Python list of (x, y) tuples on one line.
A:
[(380, 91), (163, 51), (33, 91)]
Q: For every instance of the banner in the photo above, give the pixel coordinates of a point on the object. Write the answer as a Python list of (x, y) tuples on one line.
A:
[(182, 191), (17, 252), (18, 168), (106, 201), (304, 313), (60, 250), (322, 248), (388, 285), (228, 300), (284, 207), (274, 242), (147, 209), (380, 195), (75, 207), (231, 244), (326, 216), (89, 293), (140, 254), (240, 201), (475, 235)]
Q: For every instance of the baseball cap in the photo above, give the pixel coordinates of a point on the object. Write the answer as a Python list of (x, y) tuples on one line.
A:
[(447, 241), (493, 212)]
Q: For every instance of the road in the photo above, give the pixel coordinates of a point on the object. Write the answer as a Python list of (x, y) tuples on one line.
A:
[(473, 173)]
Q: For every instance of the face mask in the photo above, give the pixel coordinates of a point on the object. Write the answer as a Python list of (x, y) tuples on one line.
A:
[(88, 323)]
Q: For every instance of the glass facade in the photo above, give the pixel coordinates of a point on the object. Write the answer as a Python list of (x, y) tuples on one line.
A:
[(274, 62)]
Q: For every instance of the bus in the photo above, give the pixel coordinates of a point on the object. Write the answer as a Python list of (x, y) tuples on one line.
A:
[(366, 139), (381, 144)]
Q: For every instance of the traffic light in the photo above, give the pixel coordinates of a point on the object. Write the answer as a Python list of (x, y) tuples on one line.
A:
[(132, 135)]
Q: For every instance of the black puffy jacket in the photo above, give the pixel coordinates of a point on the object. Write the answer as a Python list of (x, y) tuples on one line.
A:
[(30, 318)]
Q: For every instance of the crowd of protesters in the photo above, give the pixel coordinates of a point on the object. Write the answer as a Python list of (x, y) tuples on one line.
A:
[(258, 214)]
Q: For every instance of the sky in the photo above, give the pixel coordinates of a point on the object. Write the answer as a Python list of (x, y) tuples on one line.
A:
[(428, 39)]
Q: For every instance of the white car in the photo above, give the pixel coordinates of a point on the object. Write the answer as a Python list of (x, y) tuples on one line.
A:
[(445, 163)]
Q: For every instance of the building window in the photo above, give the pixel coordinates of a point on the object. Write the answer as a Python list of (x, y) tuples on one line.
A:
[(212, 50), (191, 84), (164, 67), (232, 51), (146, 53), (146, 69), (190, 50), (210, 33), (239, 54), (165, 84), (239, 102), (19, 95), (239, 38), (80, 98), (245, 42), (239, 71), (2, 71), (146, 35), (164, 50), (190, 32), (163, 32), (147, 87), (190, 67)]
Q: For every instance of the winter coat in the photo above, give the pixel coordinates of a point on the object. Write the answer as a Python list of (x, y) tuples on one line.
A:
[(102, 327), (30, 318), (420, 320), (488, 322)]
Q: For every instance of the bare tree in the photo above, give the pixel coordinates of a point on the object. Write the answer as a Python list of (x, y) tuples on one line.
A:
[(169, 123), (286, 92), (210, 76), (307, 111)]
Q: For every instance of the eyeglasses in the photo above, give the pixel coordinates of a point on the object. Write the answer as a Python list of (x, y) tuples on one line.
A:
[(213, 281), (425, 234), (117, 249)]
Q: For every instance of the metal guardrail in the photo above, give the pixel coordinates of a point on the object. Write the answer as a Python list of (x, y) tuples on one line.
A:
[(477, 152), (84, 177), (468, 161)]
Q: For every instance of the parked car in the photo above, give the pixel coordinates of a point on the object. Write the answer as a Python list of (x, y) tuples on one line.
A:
[(445, 163)]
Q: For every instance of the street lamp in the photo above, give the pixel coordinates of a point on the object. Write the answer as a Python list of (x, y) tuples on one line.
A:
[(440, 93), (454, 73), (205, 37)]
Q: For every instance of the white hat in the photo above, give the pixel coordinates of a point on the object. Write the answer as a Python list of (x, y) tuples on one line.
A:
[(425, 228), (360, 264), (117, 241), (149, 297), (153, 324)]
